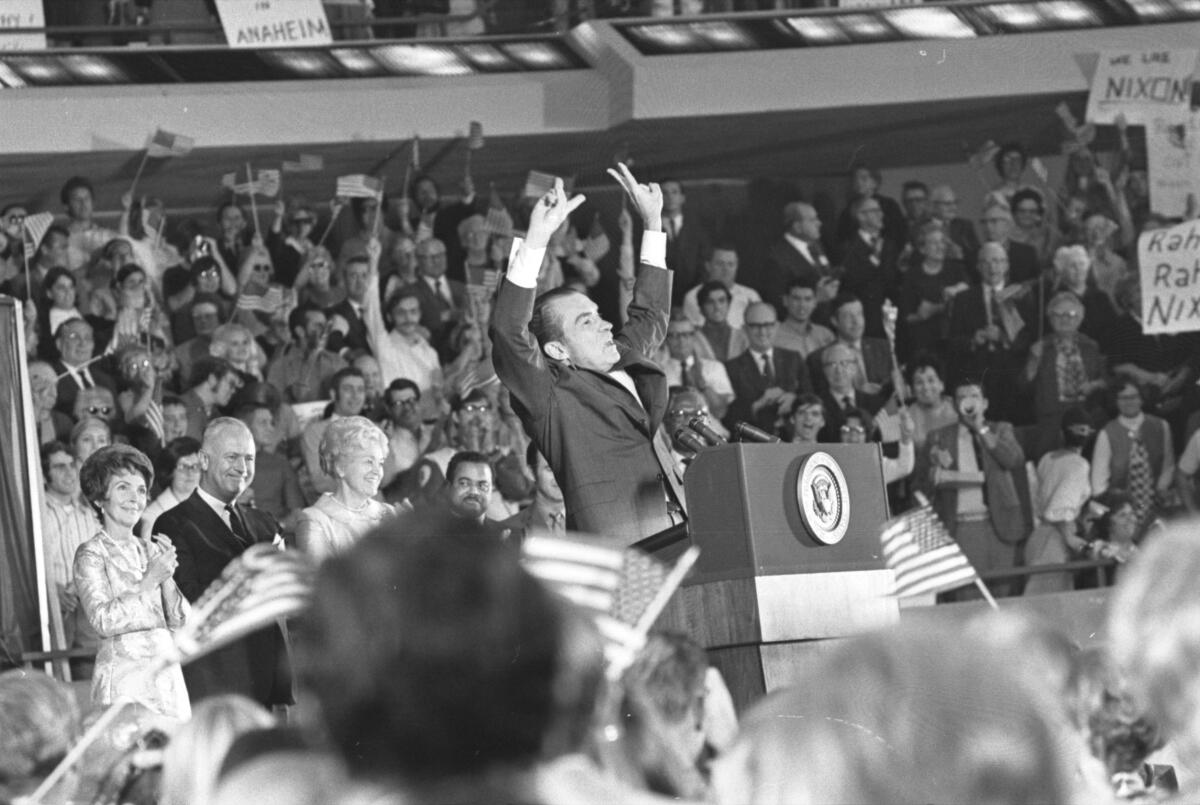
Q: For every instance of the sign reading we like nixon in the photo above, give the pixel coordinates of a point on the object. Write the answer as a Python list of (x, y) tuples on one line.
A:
[(259, 23), (1142, 85)]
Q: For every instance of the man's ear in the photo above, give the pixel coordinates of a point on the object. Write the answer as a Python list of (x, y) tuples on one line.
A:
[(556, 350)]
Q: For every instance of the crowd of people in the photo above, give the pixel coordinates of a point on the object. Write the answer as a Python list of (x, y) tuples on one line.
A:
[(201, 389)]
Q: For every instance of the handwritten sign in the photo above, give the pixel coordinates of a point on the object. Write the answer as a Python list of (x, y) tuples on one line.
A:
[(1173, 164), (21, 14), (1143, 85), (267, 23), (1170, 275)]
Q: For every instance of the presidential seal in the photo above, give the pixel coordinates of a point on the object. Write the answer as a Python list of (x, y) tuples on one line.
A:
[(821, 494)]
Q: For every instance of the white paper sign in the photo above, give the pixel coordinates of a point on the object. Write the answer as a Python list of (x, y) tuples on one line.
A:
[(270, 23), (1142, 84), (1170, 277), (21, 14), (1173, 163)]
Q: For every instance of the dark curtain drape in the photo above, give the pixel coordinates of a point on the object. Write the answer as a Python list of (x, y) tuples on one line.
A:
[(19, 621)]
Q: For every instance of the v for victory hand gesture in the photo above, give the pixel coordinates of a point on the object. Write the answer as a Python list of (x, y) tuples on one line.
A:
[(550, 212), (646, 198)]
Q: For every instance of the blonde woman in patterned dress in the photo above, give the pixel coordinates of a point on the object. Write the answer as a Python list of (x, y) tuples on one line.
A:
[(352, 452), (126, 589)]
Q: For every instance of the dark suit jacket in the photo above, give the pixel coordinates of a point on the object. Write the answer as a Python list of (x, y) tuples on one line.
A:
[(999, 464), (1022, 262), (785, 264), (445, 228), (870, 282), (685, 255), (437, 315), (895, 226), (835, 417), (356, 337), (257, 665), (596, 437), (877, 358), (745, 374), (68, 389)]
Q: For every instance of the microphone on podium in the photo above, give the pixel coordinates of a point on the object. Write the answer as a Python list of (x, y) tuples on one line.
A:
[(745, 432), (699, 424)]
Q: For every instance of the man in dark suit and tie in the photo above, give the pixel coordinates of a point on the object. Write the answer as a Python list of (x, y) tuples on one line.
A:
[(798, 255), (76, 344), (589, 401), (442, 299), (765, 378), (839, 368), (348, 330), (872, 356), (1022, 258), (209, 530), (687, 241), (869, 269)]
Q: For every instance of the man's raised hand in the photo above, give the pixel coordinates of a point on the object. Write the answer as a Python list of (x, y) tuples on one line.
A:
[(549, 214), (646, 198)]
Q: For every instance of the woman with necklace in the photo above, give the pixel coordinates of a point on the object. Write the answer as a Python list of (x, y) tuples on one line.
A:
[(352, 451), (126, 589)]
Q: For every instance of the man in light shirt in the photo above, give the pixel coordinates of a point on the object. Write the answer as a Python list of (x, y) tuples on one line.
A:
[(722, 267)]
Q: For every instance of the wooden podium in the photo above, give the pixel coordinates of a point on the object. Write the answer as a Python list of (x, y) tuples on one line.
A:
[(765, 591)]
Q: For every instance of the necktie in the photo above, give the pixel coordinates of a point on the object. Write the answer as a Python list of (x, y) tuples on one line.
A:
[(1141, 484), (847, 402), (236, 525), (768, 370), (979, 451), (444, 290), (672, 229)]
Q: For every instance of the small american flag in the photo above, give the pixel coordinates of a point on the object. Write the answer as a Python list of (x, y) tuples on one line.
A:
[(268, 302), (358, 185), (253, 591), (165, 144), (307, 163), (268, 183), (36, 226), (923, 555), (498, 222), (623, 589), (538, 184), (475, 135)]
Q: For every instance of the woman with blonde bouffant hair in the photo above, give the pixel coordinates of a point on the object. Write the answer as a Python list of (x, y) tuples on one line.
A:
[(352, 452)]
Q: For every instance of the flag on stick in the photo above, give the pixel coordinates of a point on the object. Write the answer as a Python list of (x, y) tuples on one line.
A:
[(538, 184), (624, 590), (358, 185), (475, 136), (268, 183), (923, 555), (498, 222), (36, 226), (253, 591), (163, 144), (267, 302), (307, 163)]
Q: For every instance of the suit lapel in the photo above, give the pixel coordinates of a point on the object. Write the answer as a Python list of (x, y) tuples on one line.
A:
[(212, 528)]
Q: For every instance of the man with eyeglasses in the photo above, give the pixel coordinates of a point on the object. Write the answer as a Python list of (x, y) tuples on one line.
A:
[(684, 365), (997, 228), (799, 256), (963, 240), (76, 344), (468, 490), (765, 378), (870, 269), (839, 365), (408, 438)]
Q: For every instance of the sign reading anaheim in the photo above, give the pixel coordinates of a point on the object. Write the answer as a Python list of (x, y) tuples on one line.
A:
[(254, 23), (1170, 279)]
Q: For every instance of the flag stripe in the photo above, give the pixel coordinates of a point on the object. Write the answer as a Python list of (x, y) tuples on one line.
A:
[(358, 185), (923, 555)]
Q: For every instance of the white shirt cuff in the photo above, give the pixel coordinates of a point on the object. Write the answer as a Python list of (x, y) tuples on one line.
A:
[(524, 264), (654, 248)]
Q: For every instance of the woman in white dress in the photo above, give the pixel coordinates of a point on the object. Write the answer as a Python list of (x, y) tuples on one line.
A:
[(352, 452), (1063, 488)]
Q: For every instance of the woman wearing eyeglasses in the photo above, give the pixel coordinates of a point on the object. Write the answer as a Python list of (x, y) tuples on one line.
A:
[(180, 468), (353, 450), (316, 284), (289, 240)]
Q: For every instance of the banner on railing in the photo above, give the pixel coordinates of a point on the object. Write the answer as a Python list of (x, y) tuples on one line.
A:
[(1142, 85), (21, 14), (267, 23), (1169, 261)]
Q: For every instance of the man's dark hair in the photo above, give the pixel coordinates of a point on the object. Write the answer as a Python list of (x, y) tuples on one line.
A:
[(172, 399), (913, 184), (401, 383), (862, 166), (966, 380), (398, 296), (51, 231), (545, 324), (720, 246), (209, 366), (50, 448), (841, 300), (299, 316), (709, 288), (1005, 150), (474, 395), (804, 281), (925, 360), (1028, 194), (461, 683), (466, 457), (341, 374), (73, 184)]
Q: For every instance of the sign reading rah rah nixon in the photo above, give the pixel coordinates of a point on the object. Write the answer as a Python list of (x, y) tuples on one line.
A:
[(1169, 261)]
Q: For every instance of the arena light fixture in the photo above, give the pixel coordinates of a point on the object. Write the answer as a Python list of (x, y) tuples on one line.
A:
[(304, 63), (420, 60), (358, 62), (928, 22)]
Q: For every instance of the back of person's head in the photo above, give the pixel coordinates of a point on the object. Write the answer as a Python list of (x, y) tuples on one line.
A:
[(276, 765), (193, 758), (910, 716), (1154, 633), (39, 722), (460, 683)]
